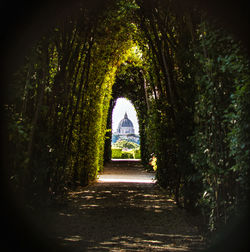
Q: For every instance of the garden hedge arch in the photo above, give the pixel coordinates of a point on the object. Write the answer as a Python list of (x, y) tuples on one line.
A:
[(190, 89)]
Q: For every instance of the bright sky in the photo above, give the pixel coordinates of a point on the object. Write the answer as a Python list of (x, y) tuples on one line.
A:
[(123, 105)]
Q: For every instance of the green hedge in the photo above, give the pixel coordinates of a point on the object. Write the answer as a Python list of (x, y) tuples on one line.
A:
[(137, 154), (120, 154), (127, 155), (116, 153)]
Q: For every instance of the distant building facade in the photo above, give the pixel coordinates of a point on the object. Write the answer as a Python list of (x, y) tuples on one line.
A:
[(125, 131)]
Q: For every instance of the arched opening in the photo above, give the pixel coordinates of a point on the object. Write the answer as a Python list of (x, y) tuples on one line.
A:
[(125, 131)]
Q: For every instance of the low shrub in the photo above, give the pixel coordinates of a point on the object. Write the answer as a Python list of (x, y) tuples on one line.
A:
[(127, 155), (116, 153), (137, 154)]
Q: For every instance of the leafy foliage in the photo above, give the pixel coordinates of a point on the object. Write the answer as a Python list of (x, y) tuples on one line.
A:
[(225, 71), (123, 154), (123, 144), (187, 78), (58, 122), (116, 153), (126, 150)]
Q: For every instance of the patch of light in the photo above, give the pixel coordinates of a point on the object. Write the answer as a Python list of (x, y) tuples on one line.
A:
[(137, 52), (126, 180), (73, 238)]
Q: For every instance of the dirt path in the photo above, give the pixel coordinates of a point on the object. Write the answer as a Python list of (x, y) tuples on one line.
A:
[(124, 211)]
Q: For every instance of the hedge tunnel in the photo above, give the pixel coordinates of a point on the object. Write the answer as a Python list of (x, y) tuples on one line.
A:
[(186, 73)]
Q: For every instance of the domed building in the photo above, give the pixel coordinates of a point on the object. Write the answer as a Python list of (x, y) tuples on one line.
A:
[(125, 131), (125, 126)]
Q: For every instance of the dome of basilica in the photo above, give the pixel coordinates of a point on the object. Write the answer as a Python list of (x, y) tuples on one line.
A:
[(125, 126)]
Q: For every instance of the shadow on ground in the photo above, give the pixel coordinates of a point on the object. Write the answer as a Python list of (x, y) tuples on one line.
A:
[(123, 217)]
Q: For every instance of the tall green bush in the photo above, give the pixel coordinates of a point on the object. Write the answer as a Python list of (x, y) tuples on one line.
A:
[(221, 81)]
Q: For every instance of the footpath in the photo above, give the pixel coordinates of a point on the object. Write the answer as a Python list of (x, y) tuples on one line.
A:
[(123, 211)]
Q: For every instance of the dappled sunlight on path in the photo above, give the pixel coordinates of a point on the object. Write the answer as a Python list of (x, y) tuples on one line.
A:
[(123, 216)]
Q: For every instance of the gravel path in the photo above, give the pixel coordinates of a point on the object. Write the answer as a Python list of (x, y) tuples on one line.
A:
[(124, 211)]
